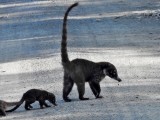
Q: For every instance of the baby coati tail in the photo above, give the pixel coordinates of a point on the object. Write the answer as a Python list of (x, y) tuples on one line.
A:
[(64, 53), (17, 106)]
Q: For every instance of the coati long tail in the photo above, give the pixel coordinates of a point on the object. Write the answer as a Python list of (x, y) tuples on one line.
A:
[(64, 53)]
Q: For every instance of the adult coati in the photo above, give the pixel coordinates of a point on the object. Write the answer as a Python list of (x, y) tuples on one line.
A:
[(4, 105), (80, 71), (33, 95)]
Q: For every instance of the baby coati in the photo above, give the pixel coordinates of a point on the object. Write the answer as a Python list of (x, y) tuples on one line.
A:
[(79, 71), (4, 105), (33, 95)]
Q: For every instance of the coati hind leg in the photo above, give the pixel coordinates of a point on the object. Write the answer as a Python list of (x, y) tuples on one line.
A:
[(96, 89), (81, 91), (67, 87)]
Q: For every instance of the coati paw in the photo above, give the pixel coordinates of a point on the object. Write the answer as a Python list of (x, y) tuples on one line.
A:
[(30, 106), (27, 108), (48, 106), (84, 98), (99, 97), (67, 99)]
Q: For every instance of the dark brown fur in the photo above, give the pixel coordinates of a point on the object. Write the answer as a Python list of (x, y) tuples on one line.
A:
[(33, 95), (4, 105), (80, 71)]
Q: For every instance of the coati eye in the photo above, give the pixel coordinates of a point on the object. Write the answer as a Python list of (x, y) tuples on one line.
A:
[(113, 73)]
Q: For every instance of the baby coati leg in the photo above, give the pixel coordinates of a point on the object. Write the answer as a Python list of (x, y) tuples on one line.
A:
[(28, 104), (96, 89), (43, 103), (67, 87)]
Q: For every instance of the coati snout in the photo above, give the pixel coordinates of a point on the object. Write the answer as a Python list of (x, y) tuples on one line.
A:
[(111, 71)]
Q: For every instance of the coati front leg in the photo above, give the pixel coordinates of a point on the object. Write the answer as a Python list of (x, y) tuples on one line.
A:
[(96, 89), (67, 87)]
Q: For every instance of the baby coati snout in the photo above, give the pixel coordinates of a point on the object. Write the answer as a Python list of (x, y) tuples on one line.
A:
[(52, 98)]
